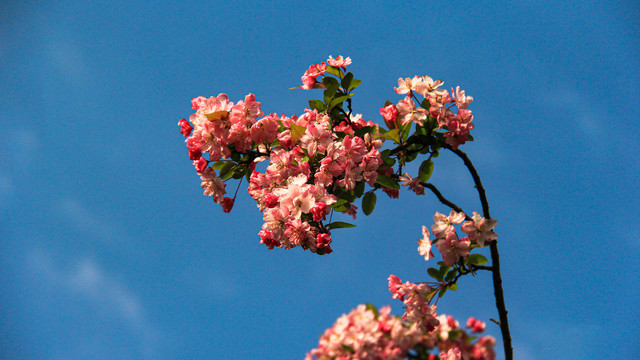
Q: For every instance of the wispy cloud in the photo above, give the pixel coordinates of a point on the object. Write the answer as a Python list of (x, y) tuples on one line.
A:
[(106, 293)]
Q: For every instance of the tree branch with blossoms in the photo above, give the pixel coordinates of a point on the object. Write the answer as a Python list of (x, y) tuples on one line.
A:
[(321, 163)]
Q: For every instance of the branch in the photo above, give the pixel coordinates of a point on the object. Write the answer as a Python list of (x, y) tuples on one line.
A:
[(495, 259), (442, 199)]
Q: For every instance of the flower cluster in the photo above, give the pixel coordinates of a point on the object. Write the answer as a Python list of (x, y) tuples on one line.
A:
[(479, 231), (311, 157), (416, 298), (436, 105), (366, 333)]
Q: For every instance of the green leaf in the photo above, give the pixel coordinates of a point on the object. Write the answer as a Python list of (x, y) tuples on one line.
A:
[(425, 104), (218, 165), (355, 83), (346, 82), (477, 259), (348, 348), (364, 130), (248, 175), (339, 100), (359, 189), (373, 309), (453, 287), (406, 129), (334, 70), (393, 134), (225, 172), (331, 83), (426, 169), (442, 291), (388, 182), (369, 203), (338, 203), (316, 104), (434, 273), (339, 225), (451, 275), (297, 131)]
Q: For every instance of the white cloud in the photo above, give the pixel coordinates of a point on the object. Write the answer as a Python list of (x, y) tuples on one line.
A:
[(105, 293)]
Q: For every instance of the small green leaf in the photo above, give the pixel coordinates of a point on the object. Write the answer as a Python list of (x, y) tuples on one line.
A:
[(348, 348), (393, 134), (451, 275), (339, 100), (218, 165), (388, 182), (316, 104), (225, 172), (346, 82), (217, 115), (373, 309), (355, 83), (426, 169), (425, 104), (297, 131), (339, 225), (334, 70), (364, 130), (248, 175), (442, 291), (434, 273), (369, 203), (338, 203), (359, 189), (453, 287), (477, 259)]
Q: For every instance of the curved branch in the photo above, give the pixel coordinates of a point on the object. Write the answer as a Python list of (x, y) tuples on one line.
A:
[(440, 197), (495, 258)]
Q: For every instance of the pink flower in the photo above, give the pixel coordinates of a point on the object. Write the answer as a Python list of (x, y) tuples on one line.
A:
[(407, 112), (390, 115), (185, 127), (212, 185), (323, 240), (339, 61), (319, 211), (200, 164), (444, 224), (413, 184), (480, 229), (309, 77), (452, 354), (227, 204), (424, 244), (265, 130), (476, 325), (452, 249)]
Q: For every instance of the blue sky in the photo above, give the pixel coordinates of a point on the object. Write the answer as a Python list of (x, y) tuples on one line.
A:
[(108, 250)]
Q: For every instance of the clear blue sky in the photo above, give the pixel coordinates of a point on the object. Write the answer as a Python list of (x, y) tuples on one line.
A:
[(108, 250)]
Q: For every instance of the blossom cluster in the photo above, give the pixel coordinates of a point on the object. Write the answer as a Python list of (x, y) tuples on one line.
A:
[(479, 231), (366, 333), (436, 105), (311, 158), (310, 161)]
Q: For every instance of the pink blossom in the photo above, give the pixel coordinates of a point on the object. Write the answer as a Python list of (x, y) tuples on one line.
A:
[(407, 112), (212, 185), (200, 164), (319, 211), (412, 183), (390, 115), (424, 244), (480, 229), (427, 87), (452, 354), (185, 127), (309, 77), (476, 325), (339, 61), (265, 130), (451, 248), (323, 240), (227, 204), (444, 224), (462, 101)]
